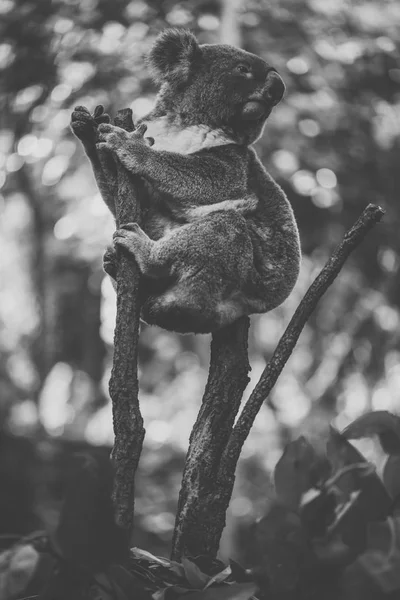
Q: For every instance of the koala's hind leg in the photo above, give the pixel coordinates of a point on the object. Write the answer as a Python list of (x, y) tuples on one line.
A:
[(209, 263)]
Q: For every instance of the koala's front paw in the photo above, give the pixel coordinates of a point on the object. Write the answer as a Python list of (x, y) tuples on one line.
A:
[(129, 147), (111, 136), (110, 262), (114, 137), (84, 125)]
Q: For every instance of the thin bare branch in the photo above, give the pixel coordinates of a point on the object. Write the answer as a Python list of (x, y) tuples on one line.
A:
[(370, 217), (124, 387)]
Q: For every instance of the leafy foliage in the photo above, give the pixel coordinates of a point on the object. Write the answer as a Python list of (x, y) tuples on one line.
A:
[(328, 523), (332, 532)]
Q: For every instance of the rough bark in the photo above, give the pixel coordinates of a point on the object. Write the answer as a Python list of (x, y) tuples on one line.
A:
[(215, 443), (124, 387), (197, 520)]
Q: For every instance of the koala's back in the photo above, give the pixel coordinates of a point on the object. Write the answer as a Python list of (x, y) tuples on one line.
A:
[(275, 239)]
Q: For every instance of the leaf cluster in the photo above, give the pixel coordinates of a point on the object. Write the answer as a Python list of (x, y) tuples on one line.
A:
[(333, 530)]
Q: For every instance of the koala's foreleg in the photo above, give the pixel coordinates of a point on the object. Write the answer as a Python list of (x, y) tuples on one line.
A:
[(191, 180)]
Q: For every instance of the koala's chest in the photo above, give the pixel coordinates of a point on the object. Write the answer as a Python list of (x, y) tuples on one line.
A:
[(183, 140)]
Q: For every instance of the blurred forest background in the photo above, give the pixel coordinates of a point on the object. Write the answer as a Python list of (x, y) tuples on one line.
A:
[(334, 146)]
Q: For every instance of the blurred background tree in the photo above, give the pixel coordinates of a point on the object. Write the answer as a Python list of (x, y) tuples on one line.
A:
[(334, 146)]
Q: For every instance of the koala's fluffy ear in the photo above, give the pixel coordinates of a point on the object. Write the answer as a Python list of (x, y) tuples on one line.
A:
[(174, 55)]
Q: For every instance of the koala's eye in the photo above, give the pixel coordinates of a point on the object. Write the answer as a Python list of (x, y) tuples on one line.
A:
[(243, 70)]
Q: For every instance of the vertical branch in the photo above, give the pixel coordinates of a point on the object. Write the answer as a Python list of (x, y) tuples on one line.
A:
[(124, 387), (202, 504)]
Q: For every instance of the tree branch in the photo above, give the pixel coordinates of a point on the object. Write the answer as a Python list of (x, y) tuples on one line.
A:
[(124, 387), (371, 215), (215, 444), (199, 521)]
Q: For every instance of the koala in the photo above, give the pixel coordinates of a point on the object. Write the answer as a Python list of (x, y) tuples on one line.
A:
[(218, 238)]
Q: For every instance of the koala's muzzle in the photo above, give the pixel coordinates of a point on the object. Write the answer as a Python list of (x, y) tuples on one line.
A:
[(259, 105)]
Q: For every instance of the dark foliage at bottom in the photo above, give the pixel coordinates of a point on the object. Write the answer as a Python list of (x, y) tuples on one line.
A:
[(331, 533)]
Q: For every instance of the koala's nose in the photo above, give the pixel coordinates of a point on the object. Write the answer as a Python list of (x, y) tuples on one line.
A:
[(274, 87)]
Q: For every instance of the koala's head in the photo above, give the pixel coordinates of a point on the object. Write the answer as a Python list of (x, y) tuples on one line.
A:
[(214, 84)]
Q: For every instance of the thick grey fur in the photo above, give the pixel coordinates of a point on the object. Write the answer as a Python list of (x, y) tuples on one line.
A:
[(218, 237)]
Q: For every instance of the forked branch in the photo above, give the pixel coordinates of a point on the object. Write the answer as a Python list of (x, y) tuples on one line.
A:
[(216, 443)]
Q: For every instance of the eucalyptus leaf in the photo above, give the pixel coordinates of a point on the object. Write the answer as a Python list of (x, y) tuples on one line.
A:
[(391, 476), (294, 472), (194, 575), (381, 423), (234, 591), (351, 472)]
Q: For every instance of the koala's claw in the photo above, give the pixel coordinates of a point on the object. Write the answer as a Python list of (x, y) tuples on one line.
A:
[(140, 131), (84, 125), (138, 134), (99, 115), (110, 261)]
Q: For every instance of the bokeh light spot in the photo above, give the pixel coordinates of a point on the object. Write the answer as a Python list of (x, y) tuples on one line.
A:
[(142, 106), (43, 147), (324, 198), (303, 182), (388, 259), (27, 96), (309, 127), (387, 317), (64, 228), (6, 55), (326, 178), (179, 16), (27, 145), (54, 169), (285, 161), (63, 25), (14, 163), (298, 65), (61, 92), (208, 22)]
